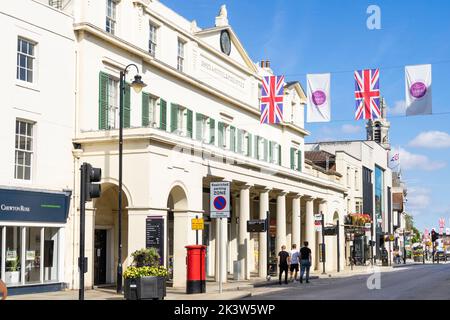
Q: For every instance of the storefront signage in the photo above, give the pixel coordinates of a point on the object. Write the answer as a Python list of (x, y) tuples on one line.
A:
[(330, 231), (256, 226), (33, 206), (220, 200), (31, 255), (154, 235), (11, 255)]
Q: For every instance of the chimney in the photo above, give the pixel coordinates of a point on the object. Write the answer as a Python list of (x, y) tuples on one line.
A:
[(267, 64), (262, 64)]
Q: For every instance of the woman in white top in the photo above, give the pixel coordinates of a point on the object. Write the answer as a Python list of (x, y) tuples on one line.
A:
[(294, 255)]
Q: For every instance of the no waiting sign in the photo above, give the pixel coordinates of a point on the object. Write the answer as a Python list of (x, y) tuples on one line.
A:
[(220, 200)]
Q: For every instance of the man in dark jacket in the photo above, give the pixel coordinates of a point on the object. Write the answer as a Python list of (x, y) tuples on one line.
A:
[(283, 263), (305, 261)]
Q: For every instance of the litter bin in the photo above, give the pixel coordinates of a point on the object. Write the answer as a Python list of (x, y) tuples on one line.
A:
[(195, 267)]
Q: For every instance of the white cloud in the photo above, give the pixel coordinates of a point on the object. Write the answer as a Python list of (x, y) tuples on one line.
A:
[(410, 161), (349, 128), (432, 140), (418, 198), (398, 109)]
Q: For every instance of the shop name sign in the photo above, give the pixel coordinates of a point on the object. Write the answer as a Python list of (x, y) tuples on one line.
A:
[(4, 207), (33, 206), (212, 68)]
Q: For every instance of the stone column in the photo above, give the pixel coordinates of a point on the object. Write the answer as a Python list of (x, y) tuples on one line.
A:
[(296, 226), (310, 233), (263, 208), (329, 257), (281, 222), (244, 237)]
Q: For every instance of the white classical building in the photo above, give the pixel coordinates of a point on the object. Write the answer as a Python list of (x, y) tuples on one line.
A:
[(197, 121), (38, 106)]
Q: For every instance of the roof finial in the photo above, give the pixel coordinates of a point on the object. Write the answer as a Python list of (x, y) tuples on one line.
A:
[(222, 18)]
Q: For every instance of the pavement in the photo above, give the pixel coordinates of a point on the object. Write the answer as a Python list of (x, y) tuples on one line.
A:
[(258, 288)]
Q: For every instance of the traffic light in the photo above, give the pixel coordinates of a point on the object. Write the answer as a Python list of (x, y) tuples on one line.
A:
[(433, 236), (92, 190)]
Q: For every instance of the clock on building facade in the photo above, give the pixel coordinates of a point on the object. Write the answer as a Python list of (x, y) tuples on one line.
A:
[(225, 42)]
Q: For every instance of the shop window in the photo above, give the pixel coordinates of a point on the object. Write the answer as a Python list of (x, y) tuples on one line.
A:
[(1, 252), (33, 255), (51, 254), (13, 250)]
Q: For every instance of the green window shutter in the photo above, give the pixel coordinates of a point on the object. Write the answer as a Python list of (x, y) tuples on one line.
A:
[(199, 126), (257, 147), (127, 106), (189, 124), (173, 117), (145, 111), (239, 141), (221, 134), (270, 151), (266, 147), (163, 115), (212, 131), (299, 160), (279, 154), (103, 102), (233, 138), (292, 158), (249, 145)]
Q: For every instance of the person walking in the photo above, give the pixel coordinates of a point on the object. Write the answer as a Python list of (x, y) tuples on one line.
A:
[(305, 261), (283, 263), (294, 254), (3, 290)]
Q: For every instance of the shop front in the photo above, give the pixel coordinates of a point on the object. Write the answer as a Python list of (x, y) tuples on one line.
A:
[(32, 240)]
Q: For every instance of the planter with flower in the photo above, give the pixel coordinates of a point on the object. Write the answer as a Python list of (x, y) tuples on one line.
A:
[(145, 279), (360, 219)]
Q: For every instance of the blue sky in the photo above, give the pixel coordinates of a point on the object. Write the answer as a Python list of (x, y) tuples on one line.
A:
[(321, 36)]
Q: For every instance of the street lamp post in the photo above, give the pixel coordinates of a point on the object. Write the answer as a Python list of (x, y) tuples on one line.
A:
[(404, 246), (137, 85)]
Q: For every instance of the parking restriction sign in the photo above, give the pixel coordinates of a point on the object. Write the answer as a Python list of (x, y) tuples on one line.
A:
[(220, 200)]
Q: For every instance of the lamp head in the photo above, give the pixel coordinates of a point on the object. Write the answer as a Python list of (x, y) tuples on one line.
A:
[(138, 84)]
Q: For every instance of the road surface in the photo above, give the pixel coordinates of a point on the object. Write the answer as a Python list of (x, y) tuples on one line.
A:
[(412, 282)]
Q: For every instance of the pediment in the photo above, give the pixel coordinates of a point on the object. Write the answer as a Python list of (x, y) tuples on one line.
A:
[(238, 54)]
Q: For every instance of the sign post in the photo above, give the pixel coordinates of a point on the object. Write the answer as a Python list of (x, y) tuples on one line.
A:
[(220, 208), (323, 242)]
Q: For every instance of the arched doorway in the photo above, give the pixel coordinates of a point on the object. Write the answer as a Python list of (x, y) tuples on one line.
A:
[(178, 225), (105, 235)]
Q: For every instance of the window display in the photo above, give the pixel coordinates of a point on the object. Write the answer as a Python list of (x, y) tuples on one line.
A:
[(13, 255)]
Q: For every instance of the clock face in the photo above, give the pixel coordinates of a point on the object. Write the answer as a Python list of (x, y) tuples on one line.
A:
[(225, 42)]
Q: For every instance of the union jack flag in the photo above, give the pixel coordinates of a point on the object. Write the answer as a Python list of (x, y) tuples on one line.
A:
[(272, 93), (367, 94)]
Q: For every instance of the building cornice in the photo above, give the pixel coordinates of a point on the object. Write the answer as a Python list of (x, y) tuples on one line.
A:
[(98, 137)]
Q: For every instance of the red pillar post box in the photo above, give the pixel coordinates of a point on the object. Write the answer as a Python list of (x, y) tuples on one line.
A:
[(195, 267)]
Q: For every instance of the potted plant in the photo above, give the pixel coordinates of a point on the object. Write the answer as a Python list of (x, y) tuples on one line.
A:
[(12, 273), (145, 278)]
